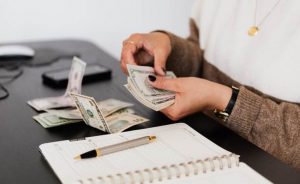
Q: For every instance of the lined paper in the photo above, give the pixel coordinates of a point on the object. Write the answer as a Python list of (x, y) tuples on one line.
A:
[(174, 144)]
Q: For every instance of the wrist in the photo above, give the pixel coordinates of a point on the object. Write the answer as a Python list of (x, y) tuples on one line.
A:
[(223, 113), (221, 95)]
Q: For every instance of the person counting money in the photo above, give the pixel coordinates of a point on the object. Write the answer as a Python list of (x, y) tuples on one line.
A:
[(230, 46)]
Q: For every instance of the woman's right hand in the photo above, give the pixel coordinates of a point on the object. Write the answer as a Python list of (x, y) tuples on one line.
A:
[(146, 49)]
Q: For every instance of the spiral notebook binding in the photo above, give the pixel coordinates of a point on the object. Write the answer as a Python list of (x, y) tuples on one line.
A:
[(168, 172)]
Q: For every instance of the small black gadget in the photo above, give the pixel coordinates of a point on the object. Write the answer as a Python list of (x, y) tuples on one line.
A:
[(59, 78)]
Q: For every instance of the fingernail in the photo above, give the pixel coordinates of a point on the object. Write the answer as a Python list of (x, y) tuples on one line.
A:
[(152, 78)]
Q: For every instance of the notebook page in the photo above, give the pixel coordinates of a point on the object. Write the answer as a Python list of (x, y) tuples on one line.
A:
[(175, 143), (236, 175)]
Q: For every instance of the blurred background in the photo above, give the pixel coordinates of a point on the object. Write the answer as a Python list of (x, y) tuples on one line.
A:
[(105, 22)]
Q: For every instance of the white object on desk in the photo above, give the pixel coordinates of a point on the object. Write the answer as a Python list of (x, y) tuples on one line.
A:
[(179, 155), (7, 51)]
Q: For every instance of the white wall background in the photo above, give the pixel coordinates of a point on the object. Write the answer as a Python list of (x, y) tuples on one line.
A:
[(105, 22)]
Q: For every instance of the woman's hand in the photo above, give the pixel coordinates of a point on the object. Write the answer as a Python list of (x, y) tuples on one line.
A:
[(192, 95), (146, 49)]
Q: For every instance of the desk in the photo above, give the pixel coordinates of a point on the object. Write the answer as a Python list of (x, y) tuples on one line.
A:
[(20, 135)]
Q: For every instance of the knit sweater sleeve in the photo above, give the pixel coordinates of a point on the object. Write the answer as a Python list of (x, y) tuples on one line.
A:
[(273, 125), (269, 123), (186, 55)]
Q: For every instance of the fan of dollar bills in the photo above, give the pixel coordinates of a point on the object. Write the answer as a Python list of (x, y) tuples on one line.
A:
[(109, 115), (138, 85)]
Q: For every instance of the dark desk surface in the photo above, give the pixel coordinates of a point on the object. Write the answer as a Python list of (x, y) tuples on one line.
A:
[(20, 135)]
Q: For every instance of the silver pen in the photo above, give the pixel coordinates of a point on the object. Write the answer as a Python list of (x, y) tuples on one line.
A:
[(116, 147)]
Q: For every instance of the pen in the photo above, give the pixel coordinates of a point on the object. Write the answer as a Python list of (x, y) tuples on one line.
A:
[(116, 147)]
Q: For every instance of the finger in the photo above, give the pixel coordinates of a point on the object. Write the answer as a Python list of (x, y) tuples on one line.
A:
[(164, 83), (127, 55), (160, 59), (124, 67)]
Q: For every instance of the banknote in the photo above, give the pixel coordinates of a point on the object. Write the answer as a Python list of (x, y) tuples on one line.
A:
[(107, 107), (120, 112), (138, 75), (48, 120), (112, 105), (121, 123), (41, 104), (75, 77), (114, 122), (138, 85), (90, 112), (74, 86), (65, 113), (151, 104), (117, 122)]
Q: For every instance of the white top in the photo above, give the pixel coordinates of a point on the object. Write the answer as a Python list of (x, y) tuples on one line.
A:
[(270, 61)]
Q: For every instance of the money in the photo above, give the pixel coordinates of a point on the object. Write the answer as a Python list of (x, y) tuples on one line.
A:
[(75, 77), (90, 112), (107, 108), (111, 105), (121, 123), (74, 86), (48, 120), (139, 86), (117, 122), (66, 113), (114, 122), (117, 113)]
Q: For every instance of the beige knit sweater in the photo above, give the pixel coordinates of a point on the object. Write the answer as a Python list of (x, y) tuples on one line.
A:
[(269, 123)]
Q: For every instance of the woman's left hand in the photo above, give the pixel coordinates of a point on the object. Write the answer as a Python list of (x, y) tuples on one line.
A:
[(192, 95)]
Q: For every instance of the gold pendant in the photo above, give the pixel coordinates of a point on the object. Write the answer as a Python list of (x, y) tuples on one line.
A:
[(253, 31)]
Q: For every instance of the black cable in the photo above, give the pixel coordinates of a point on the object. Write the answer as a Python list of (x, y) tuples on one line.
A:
[(6, 93), (54, 56), (9, 79)]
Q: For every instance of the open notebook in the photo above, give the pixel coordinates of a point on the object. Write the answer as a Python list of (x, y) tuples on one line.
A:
[(179, 155)]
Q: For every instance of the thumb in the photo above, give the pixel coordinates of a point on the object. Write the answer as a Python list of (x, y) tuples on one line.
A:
[(160, 60), (163, 83)]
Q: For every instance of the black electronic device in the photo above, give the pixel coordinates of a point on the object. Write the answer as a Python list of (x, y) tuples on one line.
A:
[(59, 78)]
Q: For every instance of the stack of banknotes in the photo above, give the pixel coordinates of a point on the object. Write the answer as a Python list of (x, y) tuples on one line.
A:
[(109, 115), (138, 85)]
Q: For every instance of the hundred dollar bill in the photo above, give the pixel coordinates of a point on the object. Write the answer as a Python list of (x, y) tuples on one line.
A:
[(48, 120), (139, 86), (74, 86), (90, 112)]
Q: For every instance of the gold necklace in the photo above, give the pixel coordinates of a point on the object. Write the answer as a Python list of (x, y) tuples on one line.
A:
[(253, 30)]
